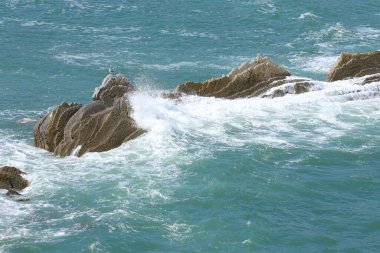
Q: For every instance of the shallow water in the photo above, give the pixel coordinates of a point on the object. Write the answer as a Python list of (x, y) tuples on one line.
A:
[(293, 174)]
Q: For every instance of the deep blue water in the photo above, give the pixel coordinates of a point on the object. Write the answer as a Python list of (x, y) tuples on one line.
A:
[(294, 174)]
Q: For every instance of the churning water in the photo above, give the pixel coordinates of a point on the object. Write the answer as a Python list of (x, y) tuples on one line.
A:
[(299, 173)]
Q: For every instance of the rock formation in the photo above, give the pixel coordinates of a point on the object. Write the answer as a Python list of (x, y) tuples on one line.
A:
[(11, 180), (106, 122), (355, 65), (102, 125), (251, 79)]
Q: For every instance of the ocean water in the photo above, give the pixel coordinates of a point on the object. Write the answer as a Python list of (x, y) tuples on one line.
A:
[(299, 173)]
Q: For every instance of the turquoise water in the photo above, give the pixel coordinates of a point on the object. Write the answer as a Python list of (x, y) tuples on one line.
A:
[(294, 174)]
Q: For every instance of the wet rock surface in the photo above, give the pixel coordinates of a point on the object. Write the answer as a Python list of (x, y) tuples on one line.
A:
[(11, 179)]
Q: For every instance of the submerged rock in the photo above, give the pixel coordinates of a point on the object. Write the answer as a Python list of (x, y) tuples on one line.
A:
[(251, 79), (355, 65), (289, 86), (11, 180), (102, 125), (371, 79)]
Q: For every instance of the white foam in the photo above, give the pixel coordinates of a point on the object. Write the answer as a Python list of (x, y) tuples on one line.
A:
[(307, 15), (186, 33), (75, 4), (337, 35), (248, 241), (33, 23), (179, 231), (170, 66), (100, 188), (264, 6), (27, 120), (166, 119), (82, 59), (366, 33), (184, 64), (316, 64)]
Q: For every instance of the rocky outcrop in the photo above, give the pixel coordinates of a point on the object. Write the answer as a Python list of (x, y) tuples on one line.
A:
[(106, 122), (102, 125), (251, 79), (355, 65), (11, 180)]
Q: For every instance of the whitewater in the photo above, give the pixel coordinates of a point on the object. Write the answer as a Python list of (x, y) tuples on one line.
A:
[(299, 173)]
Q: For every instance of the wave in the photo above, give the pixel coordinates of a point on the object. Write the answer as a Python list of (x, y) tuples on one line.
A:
[(307, 15), (147, 171), (316, 64), (264, 6), (366, 33), (184, 64), (82, 59), (186, 33), (238, 122), (34, 23)]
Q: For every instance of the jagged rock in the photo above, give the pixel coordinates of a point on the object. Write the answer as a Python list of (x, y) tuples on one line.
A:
[(355, 65), (102, 125), (112, 87), (11, 180), (249, 80)]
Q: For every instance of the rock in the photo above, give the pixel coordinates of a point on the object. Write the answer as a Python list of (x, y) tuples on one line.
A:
[(371, 79), (289, 86), (102, 125), (97, 128), (11, 180), (302, 87), (249, 80), (172, 95), (48, 132), (112, 87), (355, 65)]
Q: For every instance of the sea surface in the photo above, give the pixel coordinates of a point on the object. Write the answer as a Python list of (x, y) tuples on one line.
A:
[(299, 173)]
